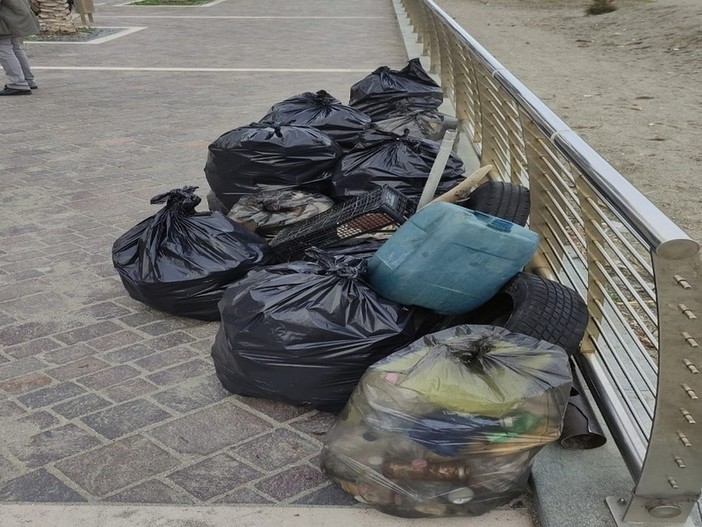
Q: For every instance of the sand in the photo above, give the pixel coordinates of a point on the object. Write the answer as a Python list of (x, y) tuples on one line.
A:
[(628, 82)]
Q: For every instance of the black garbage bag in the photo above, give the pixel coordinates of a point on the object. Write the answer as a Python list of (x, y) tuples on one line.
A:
[(340, 122), (180, 261), (260, 157), (399, 161), (386, 91), (361, 247), (304, 332), (427, 124)]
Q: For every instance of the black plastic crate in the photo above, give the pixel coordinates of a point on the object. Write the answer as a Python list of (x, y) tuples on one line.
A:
[(368, 213)]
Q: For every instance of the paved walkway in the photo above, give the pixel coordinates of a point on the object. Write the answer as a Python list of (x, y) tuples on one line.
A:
[(102, 399)]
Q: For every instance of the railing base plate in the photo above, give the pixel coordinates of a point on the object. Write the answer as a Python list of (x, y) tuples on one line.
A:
[(618, 507)]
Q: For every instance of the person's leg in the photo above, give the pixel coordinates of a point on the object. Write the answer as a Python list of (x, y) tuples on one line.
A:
[(24, 61), (12, 66)]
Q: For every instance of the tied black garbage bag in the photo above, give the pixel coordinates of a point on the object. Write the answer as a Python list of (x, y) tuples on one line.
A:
[(340, 122), (304, 332), (449, 425), (386, 91), (180, 261), (260, 157), (427, 124), (399, 161)]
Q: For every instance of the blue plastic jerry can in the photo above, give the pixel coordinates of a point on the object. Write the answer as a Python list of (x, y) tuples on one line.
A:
[(450, 259)]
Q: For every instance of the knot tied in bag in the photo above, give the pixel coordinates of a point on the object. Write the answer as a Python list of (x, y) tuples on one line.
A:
[(346, 267), (470, 353), (182, 200)]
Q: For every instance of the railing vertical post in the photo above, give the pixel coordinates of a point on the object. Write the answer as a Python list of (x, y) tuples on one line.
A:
[(669, 484)]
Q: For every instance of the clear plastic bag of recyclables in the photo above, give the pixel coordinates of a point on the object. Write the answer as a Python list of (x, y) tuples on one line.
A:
[(180, 261), (326, 113), (385, 91), (304, 332), (260, 157), (450, 425)]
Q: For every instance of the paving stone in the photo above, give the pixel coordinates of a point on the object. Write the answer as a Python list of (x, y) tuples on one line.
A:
[(108, 377), (214, 476), (273, 451), (128, 354), (11, 292), (88, 332), (329, 495), (32, 348), (152, 491), (52, 445), (104, 471), (204, 346), (68, 354), (291, 482), (51, 395), (170, 340), (141, 318), (125, 418), (315, 425), (40, 420), (204, 330), (26, 383), (115, 340), (78, 368), (279, 411), (129, 390), (191, 395), (245, 495), (166, 359), (25, 275), (81, 406), (7, 470), (103, 311), (181, 373), (38, 486), (10, 409), (20, 333), (20, 367), (32, 305), (162, 327), (226, 424)]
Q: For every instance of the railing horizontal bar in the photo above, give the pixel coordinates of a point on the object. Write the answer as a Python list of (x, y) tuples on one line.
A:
[(615, 268), (632, 250), (652, 366), (631, 443), (617, 383), (625, 323), (653, 340), (638, 279)]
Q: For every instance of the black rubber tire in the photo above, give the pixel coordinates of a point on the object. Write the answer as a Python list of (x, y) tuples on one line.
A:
[(538, 307), (501, 199)]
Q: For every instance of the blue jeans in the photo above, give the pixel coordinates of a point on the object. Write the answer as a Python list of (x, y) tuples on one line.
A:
[(14, 61)]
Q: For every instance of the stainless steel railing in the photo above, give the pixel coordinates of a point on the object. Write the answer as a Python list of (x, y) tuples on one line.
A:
[(639, 272)]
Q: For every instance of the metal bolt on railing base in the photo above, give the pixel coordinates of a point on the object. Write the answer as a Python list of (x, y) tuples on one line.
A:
[(633, 511)]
